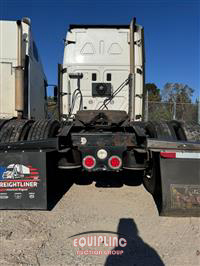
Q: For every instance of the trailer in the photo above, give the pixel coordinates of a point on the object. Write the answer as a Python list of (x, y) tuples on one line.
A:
[(101, 127)]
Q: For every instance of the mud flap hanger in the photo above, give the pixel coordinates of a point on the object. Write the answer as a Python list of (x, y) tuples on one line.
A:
[(161, 145)]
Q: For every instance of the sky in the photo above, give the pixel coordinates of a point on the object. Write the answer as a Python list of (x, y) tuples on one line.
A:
[(172, 32)]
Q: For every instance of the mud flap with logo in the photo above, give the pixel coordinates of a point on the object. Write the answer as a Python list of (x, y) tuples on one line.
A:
[(180, 183), (23, 179)]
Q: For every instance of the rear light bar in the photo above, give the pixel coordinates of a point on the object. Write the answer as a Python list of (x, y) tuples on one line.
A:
[(115, 162), (180, 155), (89, 162)]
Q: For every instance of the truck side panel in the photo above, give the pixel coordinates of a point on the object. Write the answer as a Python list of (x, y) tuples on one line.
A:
[(7, 82), (8, 56), (37, 81)]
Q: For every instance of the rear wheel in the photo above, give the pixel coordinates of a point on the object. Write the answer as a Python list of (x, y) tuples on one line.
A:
[(151, 179), (162, 131), (43, 129), (2, 122), (69, 160), (186, 131), (15, 130)]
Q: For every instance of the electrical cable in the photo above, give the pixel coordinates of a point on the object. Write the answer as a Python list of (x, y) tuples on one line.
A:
[(109, 99), (75, 95)]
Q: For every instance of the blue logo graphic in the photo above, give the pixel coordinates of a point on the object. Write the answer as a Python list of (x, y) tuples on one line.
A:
[(2, 170)]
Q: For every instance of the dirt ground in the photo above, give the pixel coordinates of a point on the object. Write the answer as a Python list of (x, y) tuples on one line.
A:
[(42, 237)]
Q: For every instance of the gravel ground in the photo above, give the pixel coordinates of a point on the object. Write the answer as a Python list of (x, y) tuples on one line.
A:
[(42, 237)]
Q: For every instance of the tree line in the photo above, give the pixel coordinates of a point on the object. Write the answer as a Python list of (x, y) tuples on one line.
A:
[(173, 101)]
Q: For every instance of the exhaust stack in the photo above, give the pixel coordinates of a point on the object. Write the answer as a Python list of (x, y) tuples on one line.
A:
[(19, 74), (132, 72)]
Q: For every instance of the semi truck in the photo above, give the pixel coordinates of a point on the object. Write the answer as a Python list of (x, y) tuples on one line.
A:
[(16, 171), (101, 126)]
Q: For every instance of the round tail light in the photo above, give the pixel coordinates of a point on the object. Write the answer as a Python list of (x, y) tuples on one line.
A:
[(115, 162), (89, 162)]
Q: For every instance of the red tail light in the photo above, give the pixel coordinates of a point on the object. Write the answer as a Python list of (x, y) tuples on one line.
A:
[(115, 162), (89, 162)]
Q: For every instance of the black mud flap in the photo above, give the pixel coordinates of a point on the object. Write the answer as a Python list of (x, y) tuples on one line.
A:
[(23, 179), (180, 184)]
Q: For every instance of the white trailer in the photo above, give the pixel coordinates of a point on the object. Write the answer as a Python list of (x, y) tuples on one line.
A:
[(22, 79)]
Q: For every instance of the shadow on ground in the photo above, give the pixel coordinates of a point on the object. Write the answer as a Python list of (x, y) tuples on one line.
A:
[(136, 252), (58, 184), (110, 179)]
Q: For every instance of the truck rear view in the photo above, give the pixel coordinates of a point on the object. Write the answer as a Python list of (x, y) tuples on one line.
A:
[(100, 104), (102, 54)]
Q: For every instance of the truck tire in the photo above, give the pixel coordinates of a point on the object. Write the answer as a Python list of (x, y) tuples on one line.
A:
[(6, 131), (186, 131), (15, 130), (151, 181), (2, 122), (158, 130), (141, 125), (69, 160), (43, 129)]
